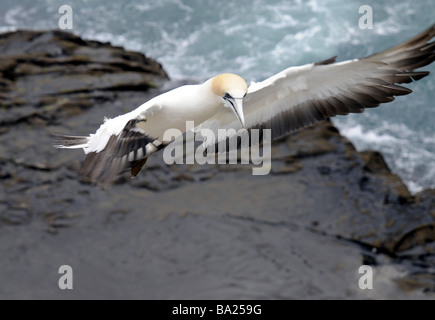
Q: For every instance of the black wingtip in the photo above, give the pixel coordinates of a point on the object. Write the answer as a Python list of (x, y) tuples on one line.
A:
[(136, 166), (326, 61)]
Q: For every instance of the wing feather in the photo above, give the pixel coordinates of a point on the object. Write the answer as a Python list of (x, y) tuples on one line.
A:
[(301, 96), (126, 151), (117, 146)]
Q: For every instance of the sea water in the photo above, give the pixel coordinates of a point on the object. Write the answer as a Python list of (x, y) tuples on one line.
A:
[(197, 39)]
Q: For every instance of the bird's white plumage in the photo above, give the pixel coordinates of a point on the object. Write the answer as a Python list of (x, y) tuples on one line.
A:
[(98, 141), (172, 109)]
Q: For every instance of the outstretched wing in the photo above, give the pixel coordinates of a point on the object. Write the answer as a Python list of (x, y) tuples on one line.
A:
[(117, 146), (301, 96), (126, 151)]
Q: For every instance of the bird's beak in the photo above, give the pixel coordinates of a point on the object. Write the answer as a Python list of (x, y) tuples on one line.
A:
[(238, 110)]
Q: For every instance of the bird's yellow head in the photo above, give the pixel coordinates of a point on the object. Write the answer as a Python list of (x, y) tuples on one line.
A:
[(232, 88)]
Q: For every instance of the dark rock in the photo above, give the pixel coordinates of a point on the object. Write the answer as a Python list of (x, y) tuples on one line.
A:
[(47, 76)]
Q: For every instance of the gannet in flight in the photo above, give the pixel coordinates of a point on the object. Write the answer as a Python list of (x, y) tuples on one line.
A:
[(292, 99)]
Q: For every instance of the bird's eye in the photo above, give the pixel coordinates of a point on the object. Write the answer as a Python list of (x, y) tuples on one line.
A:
[(227, 95)]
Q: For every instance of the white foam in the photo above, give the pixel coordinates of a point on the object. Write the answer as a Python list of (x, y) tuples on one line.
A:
[(12, 16), (7, 29), (403, 148), (357, 132)]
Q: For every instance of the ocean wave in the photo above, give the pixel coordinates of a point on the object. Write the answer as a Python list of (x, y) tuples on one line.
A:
[(405, 150)]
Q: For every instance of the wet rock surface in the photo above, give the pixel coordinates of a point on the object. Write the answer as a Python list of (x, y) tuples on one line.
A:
[(188, 231)]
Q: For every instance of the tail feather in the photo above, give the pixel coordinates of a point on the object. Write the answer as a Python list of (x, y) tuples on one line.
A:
[(70, 142)]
